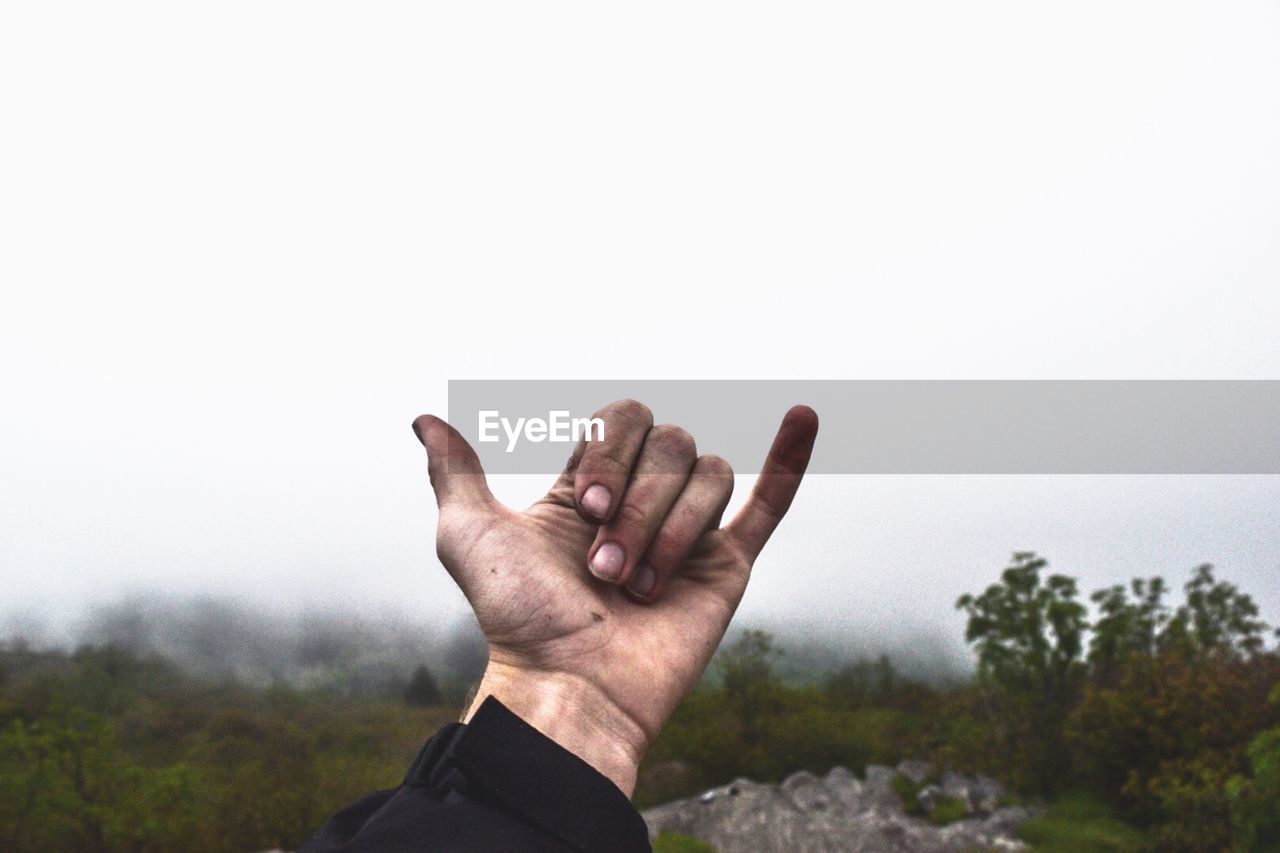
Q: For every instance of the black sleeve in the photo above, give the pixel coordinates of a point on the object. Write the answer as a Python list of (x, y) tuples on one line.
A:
[(496, 784)]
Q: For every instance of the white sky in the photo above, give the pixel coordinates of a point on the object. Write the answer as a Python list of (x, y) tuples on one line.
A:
[(242, 244)]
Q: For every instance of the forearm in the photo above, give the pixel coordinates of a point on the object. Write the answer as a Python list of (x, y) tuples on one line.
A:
[(573, 713)]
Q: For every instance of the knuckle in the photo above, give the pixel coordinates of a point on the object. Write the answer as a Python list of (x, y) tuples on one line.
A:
[(668, 546), (631, 411), (602, 465), (631, 517), (771, 509), (717, 469), (674, 440)]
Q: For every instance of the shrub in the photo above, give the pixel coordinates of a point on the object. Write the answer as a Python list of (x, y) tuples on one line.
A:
[(947, 810), (908, 792), (1255, 799), (1081, 824)]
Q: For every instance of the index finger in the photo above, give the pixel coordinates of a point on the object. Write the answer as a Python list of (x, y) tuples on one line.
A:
[(778, 481)]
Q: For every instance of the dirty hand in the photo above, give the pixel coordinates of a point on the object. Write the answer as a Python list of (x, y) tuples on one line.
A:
[(603, 602)]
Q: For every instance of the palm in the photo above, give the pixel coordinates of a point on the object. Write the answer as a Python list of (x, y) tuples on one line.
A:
[(539, 609)]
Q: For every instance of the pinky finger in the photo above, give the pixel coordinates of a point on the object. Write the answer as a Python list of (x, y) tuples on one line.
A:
[(778, 481)]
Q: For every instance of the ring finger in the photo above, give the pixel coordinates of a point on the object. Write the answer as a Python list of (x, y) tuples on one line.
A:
[(660, 473)]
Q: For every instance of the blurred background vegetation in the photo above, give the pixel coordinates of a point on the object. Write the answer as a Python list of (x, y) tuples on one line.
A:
[(1145, 719)]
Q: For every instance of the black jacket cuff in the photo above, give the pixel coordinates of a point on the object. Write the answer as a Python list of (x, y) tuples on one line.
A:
[(496, 783)]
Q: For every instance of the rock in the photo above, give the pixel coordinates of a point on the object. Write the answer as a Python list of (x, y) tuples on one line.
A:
[(928, 796), (838, 813), (916, 771), (986, 793), (847, 791), (807, 792), (878, 788), (980, 794), (877, 774)]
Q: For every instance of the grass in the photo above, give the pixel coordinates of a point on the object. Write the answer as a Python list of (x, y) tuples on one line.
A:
[(1079, 824), (672, 842)]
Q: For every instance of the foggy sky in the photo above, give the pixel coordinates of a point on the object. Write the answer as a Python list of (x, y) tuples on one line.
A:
[(243, 245)]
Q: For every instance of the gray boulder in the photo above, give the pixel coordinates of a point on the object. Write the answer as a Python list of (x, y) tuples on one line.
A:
[(916, 771), (980, 794), (838, 813)]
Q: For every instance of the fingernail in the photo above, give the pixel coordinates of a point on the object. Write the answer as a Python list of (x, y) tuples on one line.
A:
[(596, 500), (643, 580), (607, 563)]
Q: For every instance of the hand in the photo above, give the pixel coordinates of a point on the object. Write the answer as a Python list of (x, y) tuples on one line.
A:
[(604, 601)]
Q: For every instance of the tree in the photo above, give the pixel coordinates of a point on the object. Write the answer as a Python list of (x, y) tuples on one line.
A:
[(1125, 628), (422, 689), (750, 687), (1173, 699), (1029, 634), (1216, 618), (862, 682)]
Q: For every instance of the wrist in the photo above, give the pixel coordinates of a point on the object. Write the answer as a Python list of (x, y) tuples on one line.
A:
[(572, 712)]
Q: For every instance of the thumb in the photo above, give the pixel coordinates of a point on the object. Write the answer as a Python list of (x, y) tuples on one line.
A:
[(452, 464)]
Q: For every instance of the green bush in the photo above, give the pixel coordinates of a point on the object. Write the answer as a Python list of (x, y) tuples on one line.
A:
[(102, 751), (1081, 824), (908, 792), (1255, 798), (944, 809), (947, 810)]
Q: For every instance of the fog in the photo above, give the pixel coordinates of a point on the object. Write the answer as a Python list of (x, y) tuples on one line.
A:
[(374, 652), (863, 567), (230, 285)]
